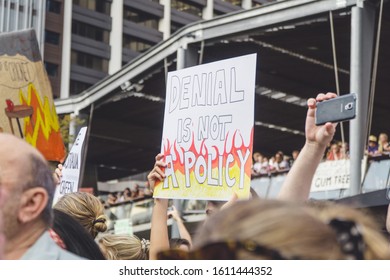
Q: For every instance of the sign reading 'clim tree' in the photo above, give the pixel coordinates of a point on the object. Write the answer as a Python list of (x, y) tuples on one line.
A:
[(208, 130)]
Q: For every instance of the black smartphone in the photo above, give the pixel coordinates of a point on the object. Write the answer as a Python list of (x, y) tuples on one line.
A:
[(339, 109)]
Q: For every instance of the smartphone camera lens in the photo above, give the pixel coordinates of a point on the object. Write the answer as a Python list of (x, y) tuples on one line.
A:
[(349, 106)]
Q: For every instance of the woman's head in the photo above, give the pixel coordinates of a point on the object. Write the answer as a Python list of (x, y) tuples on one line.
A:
[(257, 157), (283, 227), (124, 247), (179, 243), (383, 138), (127, 192), (375, 244), (279, 157), (86, 209), (335, 148), (75, 237)]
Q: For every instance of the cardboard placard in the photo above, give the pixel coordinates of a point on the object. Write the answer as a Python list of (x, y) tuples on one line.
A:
[(26, 102), (208, 130)]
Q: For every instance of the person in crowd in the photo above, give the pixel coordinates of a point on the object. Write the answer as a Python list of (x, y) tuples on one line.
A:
[(296, 186), (73, 237), (274, 229), (372, 147), (159, 239), (86, 209), (124, 247), (372, 246), (28, 187), (257, 160), (137, 192), (277, 231), (120, 197), (183, 232), (147, 190), (271, 164), (334, 152), (383, 143), (265, 167), (112, 199), (213, 206), (2, 238), (180, 244), (127, 194), (294, 156), (280, 164), (344, 150), (388, 219)]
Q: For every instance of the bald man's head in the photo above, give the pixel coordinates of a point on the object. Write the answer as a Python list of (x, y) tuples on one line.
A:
[(23, 168)]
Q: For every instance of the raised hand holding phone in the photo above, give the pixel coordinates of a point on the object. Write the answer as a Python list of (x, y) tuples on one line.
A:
[(339, 109)]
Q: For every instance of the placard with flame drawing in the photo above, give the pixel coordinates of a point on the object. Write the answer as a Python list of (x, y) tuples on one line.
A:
[(27, 103), (208, 130)]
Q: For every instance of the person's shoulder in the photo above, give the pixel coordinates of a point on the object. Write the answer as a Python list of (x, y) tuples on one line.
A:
[(46, 249), (66, 255)]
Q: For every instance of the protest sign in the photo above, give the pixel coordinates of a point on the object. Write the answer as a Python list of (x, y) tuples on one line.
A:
[(123, 226), (334, 175), (331, 175), (71, 168), (26, 95), (208, 130)]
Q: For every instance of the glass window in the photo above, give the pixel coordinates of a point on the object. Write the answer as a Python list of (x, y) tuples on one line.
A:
[(140, 17), (135, 44), (89, 61), (101, 6), (175, 27), (187, 8), (51, 69), (90, 31), (234, 2), (76, 87), (53, 6), (52, 37)]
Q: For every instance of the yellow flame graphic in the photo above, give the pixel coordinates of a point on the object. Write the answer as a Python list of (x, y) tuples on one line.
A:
[(205, 192), (45, 117)]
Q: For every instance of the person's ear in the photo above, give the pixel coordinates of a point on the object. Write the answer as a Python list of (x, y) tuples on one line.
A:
[(32, 203)]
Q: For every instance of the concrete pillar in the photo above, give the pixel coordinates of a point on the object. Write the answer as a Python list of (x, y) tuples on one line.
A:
[(164, 26), (362, 41), (208, 10), (66, 50), (116, 37)]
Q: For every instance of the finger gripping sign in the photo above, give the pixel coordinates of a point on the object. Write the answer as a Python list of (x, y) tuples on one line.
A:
[(208, 130)]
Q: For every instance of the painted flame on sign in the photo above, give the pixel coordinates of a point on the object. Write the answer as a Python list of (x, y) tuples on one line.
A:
[(43, 129)]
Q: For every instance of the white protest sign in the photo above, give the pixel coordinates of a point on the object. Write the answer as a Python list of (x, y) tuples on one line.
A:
[(331, 175), (208, 130), (71, 168), (334, 175), (123, 226)]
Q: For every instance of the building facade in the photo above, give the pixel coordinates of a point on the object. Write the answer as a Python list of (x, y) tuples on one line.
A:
[(23, 14), (86, 40)]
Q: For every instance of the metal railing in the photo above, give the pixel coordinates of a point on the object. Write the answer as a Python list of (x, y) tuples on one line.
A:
[(138, 212)]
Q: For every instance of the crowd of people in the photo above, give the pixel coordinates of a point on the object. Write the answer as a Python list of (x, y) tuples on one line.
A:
[(128, 194), (336, 150), (279, 163), (289, 227), (378, 146)]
